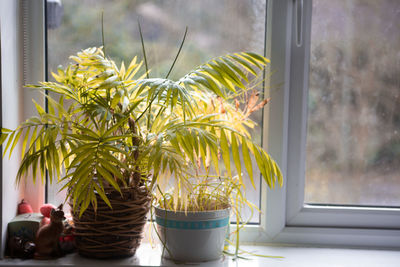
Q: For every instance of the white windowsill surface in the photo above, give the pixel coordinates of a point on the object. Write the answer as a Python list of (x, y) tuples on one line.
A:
[(293, 256)]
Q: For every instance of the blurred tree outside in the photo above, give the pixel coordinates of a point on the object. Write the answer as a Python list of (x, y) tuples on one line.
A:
[(353, 142)]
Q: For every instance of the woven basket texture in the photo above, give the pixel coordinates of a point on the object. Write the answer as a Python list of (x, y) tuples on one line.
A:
[(116, 232)]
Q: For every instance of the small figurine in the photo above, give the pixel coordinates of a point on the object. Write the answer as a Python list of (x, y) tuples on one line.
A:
[(45, 211), (47, 237), (24, 207)]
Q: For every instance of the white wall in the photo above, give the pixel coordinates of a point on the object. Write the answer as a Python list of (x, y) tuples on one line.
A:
[(32, 49), (11, 97)]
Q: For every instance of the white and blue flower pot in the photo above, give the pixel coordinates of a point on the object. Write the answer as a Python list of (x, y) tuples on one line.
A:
[(192, 236)]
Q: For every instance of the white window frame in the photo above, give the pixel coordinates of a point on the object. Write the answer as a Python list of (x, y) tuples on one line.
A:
[(299, 214), (285, 218)]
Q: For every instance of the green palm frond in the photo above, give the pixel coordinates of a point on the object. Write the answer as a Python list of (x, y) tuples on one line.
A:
[(165, 92), (223, 74), (106, 122)]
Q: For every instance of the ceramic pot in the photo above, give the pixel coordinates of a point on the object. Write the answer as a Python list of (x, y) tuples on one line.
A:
[(192, 236)]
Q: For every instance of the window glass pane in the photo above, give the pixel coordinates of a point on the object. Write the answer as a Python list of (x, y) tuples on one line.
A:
[(353, 138), (215, 28)]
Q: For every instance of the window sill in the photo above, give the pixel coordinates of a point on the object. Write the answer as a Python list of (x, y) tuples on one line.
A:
[(293, 256)]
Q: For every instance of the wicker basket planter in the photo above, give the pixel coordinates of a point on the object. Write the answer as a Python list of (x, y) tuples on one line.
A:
[(113, 233)]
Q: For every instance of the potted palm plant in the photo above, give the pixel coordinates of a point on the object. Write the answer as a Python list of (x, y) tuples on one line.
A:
[(110, 135)]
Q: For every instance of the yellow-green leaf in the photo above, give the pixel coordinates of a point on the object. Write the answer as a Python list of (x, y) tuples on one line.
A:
[(247, 160), (3, 137), (104, 172), (260, 165), (225, 153), (102, 194), (33, 137), (236, 157), (16, 139), (39, 108), (24, 143), (10, 139)]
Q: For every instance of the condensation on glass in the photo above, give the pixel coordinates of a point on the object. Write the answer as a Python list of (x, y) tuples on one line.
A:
[(215, 27), (353, 138)]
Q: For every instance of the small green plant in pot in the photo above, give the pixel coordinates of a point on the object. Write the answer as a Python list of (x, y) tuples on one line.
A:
[(193, 227)]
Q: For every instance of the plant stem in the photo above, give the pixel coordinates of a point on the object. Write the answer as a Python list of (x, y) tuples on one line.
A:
[(102, 33), (148, 107), (147, 70), (143, 50), (176, 57)]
